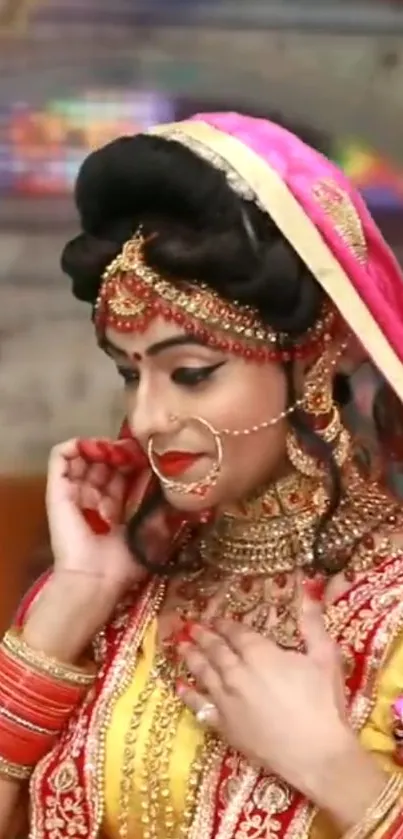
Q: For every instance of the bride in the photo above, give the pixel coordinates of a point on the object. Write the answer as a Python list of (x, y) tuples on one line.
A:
[(217, 652)]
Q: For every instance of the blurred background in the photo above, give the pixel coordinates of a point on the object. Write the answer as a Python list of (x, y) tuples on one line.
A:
[(75, 74)]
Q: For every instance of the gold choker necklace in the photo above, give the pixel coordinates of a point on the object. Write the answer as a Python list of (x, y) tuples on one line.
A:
[(272, 533)]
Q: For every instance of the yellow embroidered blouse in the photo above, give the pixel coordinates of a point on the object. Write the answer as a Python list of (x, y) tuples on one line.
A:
[(376, 737)]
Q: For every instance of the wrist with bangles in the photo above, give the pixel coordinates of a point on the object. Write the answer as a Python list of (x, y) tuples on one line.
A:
[(38, 694), (381, 813)]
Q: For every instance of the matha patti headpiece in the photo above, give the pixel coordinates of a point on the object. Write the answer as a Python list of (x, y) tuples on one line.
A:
[(133, 294)]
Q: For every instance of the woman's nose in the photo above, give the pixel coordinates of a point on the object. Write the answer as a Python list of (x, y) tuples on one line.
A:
[(151, 421)]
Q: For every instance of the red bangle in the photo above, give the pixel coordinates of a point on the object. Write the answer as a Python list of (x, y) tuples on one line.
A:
[(37, 697), (70, 694), (395, 830), (16, 749)]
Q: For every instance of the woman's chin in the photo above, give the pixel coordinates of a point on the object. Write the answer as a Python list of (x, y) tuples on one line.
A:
[(191, 502)]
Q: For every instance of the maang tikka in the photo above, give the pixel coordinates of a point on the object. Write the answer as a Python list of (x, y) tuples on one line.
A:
[(133, 294)]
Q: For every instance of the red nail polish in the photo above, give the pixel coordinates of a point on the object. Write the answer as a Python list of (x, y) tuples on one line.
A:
[(97, 524), (88, 450), (315, 588), (106, 450), (184, 635), (118, 456), (182, 686)]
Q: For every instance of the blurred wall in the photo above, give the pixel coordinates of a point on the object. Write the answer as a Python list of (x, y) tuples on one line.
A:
[(339, 82), (54, 381)]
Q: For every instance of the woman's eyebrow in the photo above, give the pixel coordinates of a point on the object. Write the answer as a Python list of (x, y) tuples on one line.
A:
[(175, 341), (111, 349), (154, 349)]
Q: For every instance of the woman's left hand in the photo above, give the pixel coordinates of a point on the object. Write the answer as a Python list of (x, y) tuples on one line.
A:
[(282, 709)]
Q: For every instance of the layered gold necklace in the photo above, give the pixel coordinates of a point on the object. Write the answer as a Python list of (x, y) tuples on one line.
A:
[(250, 557)]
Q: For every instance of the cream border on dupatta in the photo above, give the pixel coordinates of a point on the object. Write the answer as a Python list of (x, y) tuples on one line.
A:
[(290, 217)]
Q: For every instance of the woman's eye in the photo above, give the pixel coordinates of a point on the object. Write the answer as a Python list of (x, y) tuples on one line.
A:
[(130, 377), (192, 376)]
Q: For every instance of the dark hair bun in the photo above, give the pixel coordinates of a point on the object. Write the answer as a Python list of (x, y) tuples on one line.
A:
[(206, 232)]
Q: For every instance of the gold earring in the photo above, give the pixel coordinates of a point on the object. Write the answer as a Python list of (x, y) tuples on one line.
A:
[(324, 418)]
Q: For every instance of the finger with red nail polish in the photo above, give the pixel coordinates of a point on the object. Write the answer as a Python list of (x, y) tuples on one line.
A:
[(97, 524), (315, 587)]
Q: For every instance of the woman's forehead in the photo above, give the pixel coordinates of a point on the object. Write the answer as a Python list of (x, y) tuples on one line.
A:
[(139, 343)]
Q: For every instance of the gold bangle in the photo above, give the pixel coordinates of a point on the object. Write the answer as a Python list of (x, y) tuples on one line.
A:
[(30, 726), (379, 810), (15, 647), (394, 815), (14, 771)]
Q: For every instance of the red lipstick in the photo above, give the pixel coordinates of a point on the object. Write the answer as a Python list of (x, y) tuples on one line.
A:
[(173, 464)]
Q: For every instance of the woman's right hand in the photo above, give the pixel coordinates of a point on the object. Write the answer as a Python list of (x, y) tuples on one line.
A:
[(89, 483)]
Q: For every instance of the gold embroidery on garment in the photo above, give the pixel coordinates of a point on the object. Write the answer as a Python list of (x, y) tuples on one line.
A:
[(157, 818), (64, 814), (119, 679), (206, 798), (385, 636), (273, 798), (65, 807), (337, 204), (157, 809), (241, 781)]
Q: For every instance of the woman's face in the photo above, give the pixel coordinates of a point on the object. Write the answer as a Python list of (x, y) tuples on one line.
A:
[(168, 374)]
